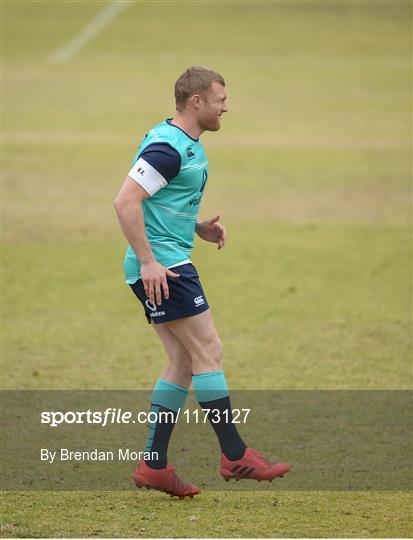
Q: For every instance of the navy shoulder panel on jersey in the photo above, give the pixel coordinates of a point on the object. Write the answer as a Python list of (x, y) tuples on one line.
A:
[(164, 158)]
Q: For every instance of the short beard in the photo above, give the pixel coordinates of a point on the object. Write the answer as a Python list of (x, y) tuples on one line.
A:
[(207, 127)]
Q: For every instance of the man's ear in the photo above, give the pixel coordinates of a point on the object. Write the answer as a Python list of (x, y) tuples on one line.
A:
[(196, 99)]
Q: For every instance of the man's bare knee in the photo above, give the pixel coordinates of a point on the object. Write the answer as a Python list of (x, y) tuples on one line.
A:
[(179, 369), (180, 356), (179, 373), (209, 358), (181, 361), (217, 354)]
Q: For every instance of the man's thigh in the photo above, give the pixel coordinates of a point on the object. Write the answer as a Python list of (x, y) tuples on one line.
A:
[(198, 334), (174, 348)]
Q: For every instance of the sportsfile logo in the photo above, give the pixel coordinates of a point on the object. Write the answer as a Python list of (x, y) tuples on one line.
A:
[(153, 309), (199, 300)]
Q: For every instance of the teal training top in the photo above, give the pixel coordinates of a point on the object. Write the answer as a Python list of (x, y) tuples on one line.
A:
[(171, 211)]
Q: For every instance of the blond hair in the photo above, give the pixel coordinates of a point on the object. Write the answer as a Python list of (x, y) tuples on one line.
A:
[(195, 79)]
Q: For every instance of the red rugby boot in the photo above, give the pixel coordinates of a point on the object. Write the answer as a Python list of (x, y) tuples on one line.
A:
[(163, 480), (252, 466)]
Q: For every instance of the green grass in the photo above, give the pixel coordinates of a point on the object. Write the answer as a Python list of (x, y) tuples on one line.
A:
[(215, 514), (310, 173), (321, 310)]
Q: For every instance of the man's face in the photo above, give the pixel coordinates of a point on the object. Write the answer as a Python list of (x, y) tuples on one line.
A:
[(211, 105)]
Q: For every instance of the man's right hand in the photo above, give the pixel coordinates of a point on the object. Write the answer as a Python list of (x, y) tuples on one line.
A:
[(154, 280)]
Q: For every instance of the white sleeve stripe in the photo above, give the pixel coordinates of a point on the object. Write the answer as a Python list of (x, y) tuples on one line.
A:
[(147, 176)]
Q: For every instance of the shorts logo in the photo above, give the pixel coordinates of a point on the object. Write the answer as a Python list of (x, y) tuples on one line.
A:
[(153, 309), (150, 306), (199, 300)]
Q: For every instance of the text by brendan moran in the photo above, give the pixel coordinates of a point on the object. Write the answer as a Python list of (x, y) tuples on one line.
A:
[(121, 454)]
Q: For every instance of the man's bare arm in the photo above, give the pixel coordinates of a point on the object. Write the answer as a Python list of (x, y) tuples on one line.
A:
[(130, 216)]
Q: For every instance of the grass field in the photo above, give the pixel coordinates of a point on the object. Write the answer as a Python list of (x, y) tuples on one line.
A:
[(311, 175)]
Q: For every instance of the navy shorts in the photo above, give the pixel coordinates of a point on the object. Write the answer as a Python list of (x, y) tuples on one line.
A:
[(186, 297)]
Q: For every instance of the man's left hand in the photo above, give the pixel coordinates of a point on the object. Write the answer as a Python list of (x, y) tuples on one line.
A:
[(212, 231)]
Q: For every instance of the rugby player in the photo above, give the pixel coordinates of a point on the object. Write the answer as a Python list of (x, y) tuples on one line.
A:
[(157, 208)]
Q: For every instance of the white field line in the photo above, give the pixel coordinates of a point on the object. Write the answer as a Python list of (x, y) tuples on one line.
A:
[(95, 26)]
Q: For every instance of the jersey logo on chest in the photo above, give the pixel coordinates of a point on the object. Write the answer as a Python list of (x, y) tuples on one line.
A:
[(190, 154), (196, 200)]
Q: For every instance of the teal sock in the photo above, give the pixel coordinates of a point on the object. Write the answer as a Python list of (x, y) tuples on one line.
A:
[(210, 386), (211, 390), (168, 398)]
